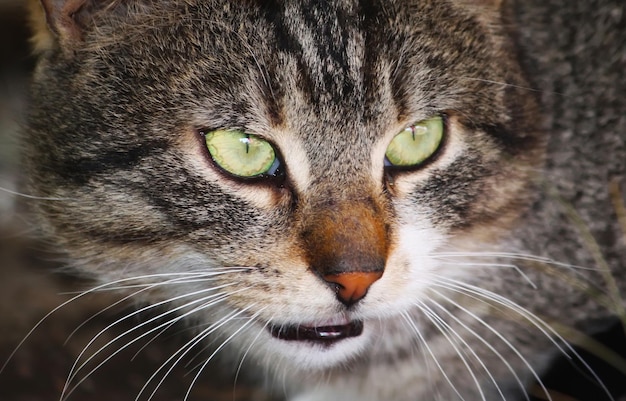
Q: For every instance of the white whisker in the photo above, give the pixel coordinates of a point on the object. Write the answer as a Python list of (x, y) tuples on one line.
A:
[(550, 333), (243, 357), (512, 256), (485, 342), (152, 306), (177, 356), (506, 84), (27, 196), (481, 294), (204, 276), (445, 329), (185, 349), (417, 331), (222, 345), (490, 265), (109, 286), (148, 280), (215, 298), (101, 287), (143, 287)]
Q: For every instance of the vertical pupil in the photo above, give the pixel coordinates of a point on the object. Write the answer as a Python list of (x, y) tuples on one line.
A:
[(246, 141)]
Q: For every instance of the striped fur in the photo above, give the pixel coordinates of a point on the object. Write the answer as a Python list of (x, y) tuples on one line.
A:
[(119, 102)]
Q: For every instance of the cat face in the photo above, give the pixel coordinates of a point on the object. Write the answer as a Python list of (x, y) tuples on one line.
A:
[(284, 172)]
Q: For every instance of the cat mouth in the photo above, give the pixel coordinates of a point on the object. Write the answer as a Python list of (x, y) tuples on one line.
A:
[(324, 335)]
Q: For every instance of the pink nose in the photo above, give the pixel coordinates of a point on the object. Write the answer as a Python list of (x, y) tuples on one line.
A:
[(352, 286)]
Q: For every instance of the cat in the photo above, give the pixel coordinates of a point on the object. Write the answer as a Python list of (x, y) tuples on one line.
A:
[(353, 199)]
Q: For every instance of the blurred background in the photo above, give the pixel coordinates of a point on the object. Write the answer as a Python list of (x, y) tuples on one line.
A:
[(15, 66)]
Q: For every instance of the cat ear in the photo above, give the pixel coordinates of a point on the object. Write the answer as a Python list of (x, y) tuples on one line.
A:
[(67, 20)]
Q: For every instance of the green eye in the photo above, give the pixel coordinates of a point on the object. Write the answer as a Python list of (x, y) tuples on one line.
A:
[(241, 154), (415, 144)]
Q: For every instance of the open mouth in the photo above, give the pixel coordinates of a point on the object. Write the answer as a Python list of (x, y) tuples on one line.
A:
[(325, 335)]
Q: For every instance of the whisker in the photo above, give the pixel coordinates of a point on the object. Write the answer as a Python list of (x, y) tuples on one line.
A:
[(145, 280), (173, 322), (27, 196), (222, 345), (76, 368), (178, 355), (513, 256), (215, 298), (143, 287), (481, 294), (185, 349), (110, 286), (445, 329), (416, 330), (243, 357), (487, 265), (485, 342), (506, 84), (57, 308), (203, 276), (549, 266), (209, 345)]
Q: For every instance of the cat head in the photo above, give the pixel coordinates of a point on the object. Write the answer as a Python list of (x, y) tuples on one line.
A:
[(301, 162)]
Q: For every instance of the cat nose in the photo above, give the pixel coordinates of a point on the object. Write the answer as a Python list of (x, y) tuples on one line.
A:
[(351, 287), (346, 245)]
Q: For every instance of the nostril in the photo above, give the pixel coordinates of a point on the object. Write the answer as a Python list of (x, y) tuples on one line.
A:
[(351, 287)]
